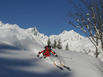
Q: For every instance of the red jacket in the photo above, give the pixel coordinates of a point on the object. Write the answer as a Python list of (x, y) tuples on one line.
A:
[(47, 52)]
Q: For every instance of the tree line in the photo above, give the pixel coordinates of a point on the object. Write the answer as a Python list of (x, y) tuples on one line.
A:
[(57, 44)]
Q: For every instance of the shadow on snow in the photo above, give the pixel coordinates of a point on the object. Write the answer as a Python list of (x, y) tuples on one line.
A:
[(6, 71), (4, 48), (7, 65)]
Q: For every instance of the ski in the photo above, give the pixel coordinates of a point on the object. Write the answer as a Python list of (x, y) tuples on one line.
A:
[(68, 68), (62, 68), (59, 67)]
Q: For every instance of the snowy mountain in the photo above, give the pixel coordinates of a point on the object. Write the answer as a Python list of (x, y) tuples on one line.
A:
[(14, 34), (19, 47), (67, 37), (37, 35), (75, 41)]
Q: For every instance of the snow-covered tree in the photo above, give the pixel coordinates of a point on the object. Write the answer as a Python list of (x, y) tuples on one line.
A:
[(67, 47), (59, 46), (48, 42), (55, 44)]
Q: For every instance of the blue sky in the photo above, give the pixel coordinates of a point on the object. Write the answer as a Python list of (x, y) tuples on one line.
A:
[(47, 15)]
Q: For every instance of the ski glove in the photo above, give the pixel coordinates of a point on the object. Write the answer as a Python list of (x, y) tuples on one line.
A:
[(56, 55), (37, 55), (39, 52)]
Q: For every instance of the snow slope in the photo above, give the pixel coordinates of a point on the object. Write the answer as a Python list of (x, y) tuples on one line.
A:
[(67, 37), (16, 62), (13, 33), (76, 42), (19, 47)]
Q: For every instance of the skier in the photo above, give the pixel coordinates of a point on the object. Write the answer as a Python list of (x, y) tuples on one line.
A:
[(47, 52)]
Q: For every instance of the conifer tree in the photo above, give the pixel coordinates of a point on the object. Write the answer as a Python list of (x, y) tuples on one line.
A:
[(59, 46), (55, 44), (67, 47), (48, 42)]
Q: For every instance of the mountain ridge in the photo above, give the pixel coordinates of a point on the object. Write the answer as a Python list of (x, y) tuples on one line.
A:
[(75, 41)]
